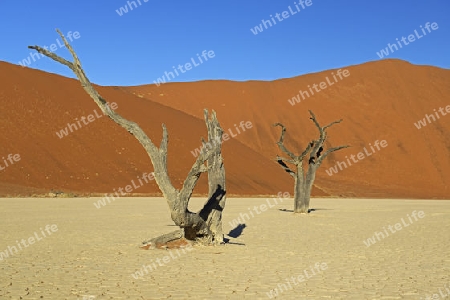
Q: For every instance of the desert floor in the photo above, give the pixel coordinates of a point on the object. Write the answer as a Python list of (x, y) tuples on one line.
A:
[(94, 252)]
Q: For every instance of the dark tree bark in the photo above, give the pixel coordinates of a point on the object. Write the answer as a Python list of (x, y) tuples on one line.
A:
[(304, 176), (205, 225)]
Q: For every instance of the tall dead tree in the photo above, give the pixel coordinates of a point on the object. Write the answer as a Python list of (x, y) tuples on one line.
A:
[(305, 167), (205, 225)]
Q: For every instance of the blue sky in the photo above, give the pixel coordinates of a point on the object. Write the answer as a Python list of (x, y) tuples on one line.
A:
[(142, 44)]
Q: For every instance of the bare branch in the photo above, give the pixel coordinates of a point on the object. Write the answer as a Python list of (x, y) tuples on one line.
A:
[(54, 57), (332, 123), (158, 156), (199, 166), (280, 143), (290, 161), (319, 161), (308, 148), (194, 174), (315, 153), (161, 241), (280, 161), (313, 118), (322, 136), (165, 140)]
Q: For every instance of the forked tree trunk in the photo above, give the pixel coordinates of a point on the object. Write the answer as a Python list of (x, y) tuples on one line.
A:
[(212, 210), (205, 225), (209, 231), (304, 179)]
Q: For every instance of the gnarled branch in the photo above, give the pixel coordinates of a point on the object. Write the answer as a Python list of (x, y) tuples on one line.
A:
[(320, 160), (181, 216), (280, 161), (280, 143)]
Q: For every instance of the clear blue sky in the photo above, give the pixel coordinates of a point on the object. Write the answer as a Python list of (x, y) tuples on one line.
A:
[(139, 46)]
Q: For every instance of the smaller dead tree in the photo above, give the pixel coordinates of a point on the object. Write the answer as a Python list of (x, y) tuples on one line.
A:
[(305, 167)]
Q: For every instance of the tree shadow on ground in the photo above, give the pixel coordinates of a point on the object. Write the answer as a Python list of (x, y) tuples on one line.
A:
[(227, 241), (235, 233)]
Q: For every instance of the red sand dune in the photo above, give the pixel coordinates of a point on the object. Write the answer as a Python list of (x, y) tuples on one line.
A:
[(378, 101)]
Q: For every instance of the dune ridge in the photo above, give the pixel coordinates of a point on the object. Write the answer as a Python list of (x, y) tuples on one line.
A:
[(379, 100)]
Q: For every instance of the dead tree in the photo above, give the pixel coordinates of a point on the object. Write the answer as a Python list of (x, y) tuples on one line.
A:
[(205, 225), (304, 176)]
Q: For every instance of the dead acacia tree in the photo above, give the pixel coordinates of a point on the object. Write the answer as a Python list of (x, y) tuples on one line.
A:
[(205, 225), (305, 167)]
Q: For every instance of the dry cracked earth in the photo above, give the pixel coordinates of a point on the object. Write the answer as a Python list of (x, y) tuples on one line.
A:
[(94, 253)]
